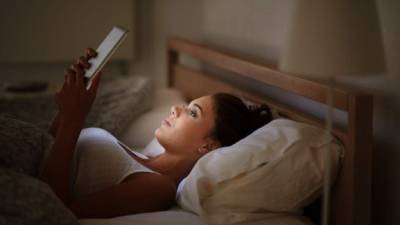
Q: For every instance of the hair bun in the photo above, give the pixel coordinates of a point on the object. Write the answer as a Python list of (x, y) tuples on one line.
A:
[(235, 118), (260, 115)]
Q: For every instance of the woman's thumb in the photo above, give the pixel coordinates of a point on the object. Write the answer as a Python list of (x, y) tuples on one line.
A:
[(95, 83)]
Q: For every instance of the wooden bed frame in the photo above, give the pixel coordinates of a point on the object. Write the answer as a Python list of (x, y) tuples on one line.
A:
[(351, 192)]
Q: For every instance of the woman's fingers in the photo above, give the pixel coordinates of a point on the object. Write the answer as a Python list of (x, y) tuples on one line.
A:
[(67, 72), (78, 74), (95, 84), (90, 53), (83, 62), (69, 75), (64, 85), (76, 67), (75, 73)]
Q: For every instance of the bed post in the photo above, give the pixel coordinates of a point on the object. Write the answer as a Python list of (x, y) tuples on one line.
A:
[(172, 60), (352, 196)]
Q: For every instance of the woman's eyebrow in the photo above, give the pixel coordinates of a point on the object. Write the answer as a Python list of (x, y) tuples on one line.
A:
[(198, 106)]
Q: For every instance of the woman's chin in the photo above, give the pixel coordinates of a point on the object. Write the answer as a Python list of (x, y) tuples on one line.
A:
[(158, 133)]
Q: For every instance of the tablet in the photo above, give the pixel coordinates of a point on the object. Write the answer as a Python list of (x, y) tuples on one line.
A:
[(105, 51)]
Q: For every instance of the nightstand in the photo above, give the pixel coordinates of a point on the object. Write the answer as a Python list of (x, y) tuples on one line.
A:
[(26, 89)]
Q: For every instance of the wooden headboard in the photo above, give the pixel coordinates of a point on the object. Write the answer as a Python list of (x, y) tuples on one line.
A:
[(351, 192)]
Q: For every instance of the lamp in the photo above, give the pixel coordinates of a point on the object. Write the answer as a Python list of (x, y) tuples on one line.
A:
[(329, 38)]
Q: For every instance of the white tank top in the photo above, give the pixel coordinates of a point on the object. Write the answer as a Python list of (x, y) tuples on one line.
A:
[(101, 162)]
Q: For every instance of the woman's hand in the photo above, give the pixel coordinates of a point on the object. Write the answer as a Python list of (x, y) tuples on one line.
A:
[(74, 100)]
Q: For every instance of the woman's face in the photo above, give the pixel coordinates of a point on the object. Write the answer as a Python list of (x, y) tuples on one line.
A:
[(187, 128)]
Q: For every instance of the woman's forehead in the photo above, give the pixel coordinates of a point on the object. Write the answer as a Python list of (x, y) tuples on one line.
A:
[(204, 102)]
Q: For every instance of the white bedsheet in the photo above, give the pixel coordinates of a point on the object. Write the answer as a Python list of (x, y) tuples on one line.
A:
[(174, 216), (177, 216)]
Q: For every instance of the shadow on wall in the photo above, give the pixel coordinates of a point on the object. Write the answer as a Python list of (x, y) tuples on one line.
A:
[(386, 158)]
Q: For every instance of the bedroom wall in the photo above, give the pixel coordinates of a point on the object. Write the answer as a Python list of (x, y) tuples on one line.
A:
[(40, 38), (257, 29)]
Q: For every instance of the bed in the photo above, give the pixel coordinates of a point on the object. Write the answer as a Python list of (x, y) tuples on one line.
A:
[(351, 192)]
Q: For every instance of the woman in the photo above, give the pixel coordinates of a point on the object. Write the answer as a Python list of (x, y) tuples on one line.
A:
[(188, 133)]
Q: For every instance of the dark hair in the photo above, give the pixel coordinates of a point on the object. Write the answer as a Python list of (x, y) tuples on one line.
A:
[(235, 120)]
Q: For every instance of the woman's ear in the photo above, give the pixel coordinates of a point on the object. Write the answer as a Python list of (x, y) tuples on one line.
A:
[(203, 149), (214, 145), (207, 147)]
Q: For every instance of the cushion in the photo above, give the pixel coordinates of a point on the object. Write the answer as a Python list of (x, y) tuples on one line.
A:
[(141, 131), (276, 169), (24, 146), (119, 102), (27, 200), (24, 198), (36, 108)]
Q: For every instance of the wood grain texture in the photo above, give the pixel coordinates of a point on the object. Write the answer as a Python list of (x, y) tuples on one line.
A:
[(296, 85)]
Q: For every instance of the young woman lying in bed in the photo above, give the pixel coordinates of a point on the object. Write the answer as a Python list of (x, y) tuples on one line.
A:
[(97, 176)]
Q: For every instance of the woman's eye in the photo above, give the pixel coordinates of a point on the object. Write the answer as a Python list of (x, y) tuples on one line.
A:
[(192, 113)]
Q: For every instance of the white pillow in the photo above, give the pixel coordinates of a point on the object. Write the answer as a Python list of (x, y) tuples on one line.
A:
[(276, 169)]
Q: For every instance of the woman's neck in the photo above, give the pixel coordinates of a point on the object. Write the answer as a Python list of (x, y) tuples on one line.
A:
[(173, 165)]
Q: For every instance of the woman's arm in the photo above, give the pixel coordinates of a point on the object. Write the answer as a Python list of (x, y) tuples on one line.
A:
[(55, 124), (58, 167), (74, 102)]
